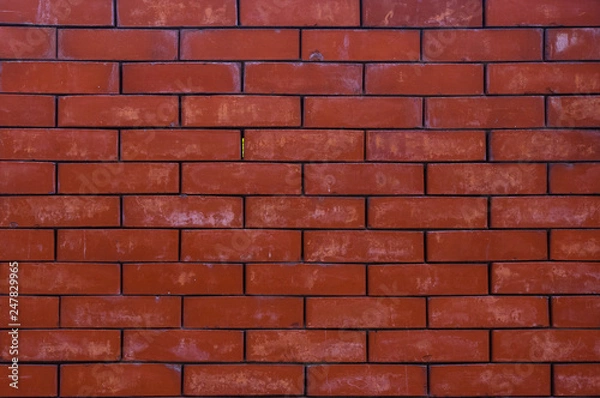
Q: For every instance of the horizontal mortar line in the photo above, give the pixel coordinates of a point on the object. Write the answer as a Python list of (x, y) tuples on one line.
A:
[(309, 296), (378, 129), (331, 62), (306, 95), (290, 363), (297, 27)]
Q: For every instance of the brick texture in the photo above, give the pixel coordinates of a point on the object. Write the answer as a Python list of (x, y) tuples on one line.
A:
[(300, 198)]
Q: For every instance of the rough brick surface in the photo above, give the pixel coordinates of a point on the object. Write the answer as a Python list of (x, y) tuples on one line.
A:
[(27, 43), (300, 198), (469, 45)]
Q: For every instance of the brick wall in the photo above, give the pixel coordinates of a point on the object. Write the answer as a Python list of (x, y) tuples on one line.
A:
[(301, 197)]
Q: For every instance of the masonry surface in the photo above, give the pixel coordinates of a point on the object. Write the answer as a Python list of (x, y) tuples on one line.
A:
[(301, 198)]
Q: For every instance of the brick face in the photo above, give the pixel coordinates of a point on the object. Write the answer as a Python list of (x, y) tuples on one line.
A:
[(473, 45), (413, 13), (573, 44), (429, 346), (425, 79), (360, 45), (28, 43), (58, 12), (300, 12), (304, 198), (177, 13), (60, 77), (117, 44), (240, 45), (547, 12), (339, 380)]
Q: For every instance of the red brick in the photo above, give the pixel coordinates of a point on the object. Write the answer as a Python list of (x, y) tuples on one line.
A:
[(241, 178), (240, 111), (576, 312), (575, 44), (26, 110), (469, 45), (427, 279), (362, 112), (240, 45), (546, 212), (306, 279), (120, 379), (45, 385), (243, 379), (118, 111), (181, 78), (429, 346), (67, 278), (545, 345), (26, 178), (574, 111), (360, 45), (486, 245), (363, 179), (170, 145), (182, 211), (415, 13), (304, 212), (308, 145), (425, 146), (59, 77), (240, 245), (366, 380), (575, 178), (547, 12), (427, 212), (182, 278), (424, 79), (183, 345), (177, 13), (27, 244), (486, 179), (34, 312), (575, 245), (118, 178), (59, 211), (27, 42), (117, 44), (490, 380), (67, 345), (300, 13), (306, 346), (545, 278), (544, 78), (545, 145), (242, 312), (488, 312), (57, 12), (58, 144), (485, 112), (120, 312), (117, 245), (363, 246), (365, 312), (577, 380), (302, 78)]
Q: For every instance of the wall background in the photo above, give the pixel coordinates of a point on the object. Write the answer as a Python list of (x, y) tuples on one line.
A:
[(416, 211)]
